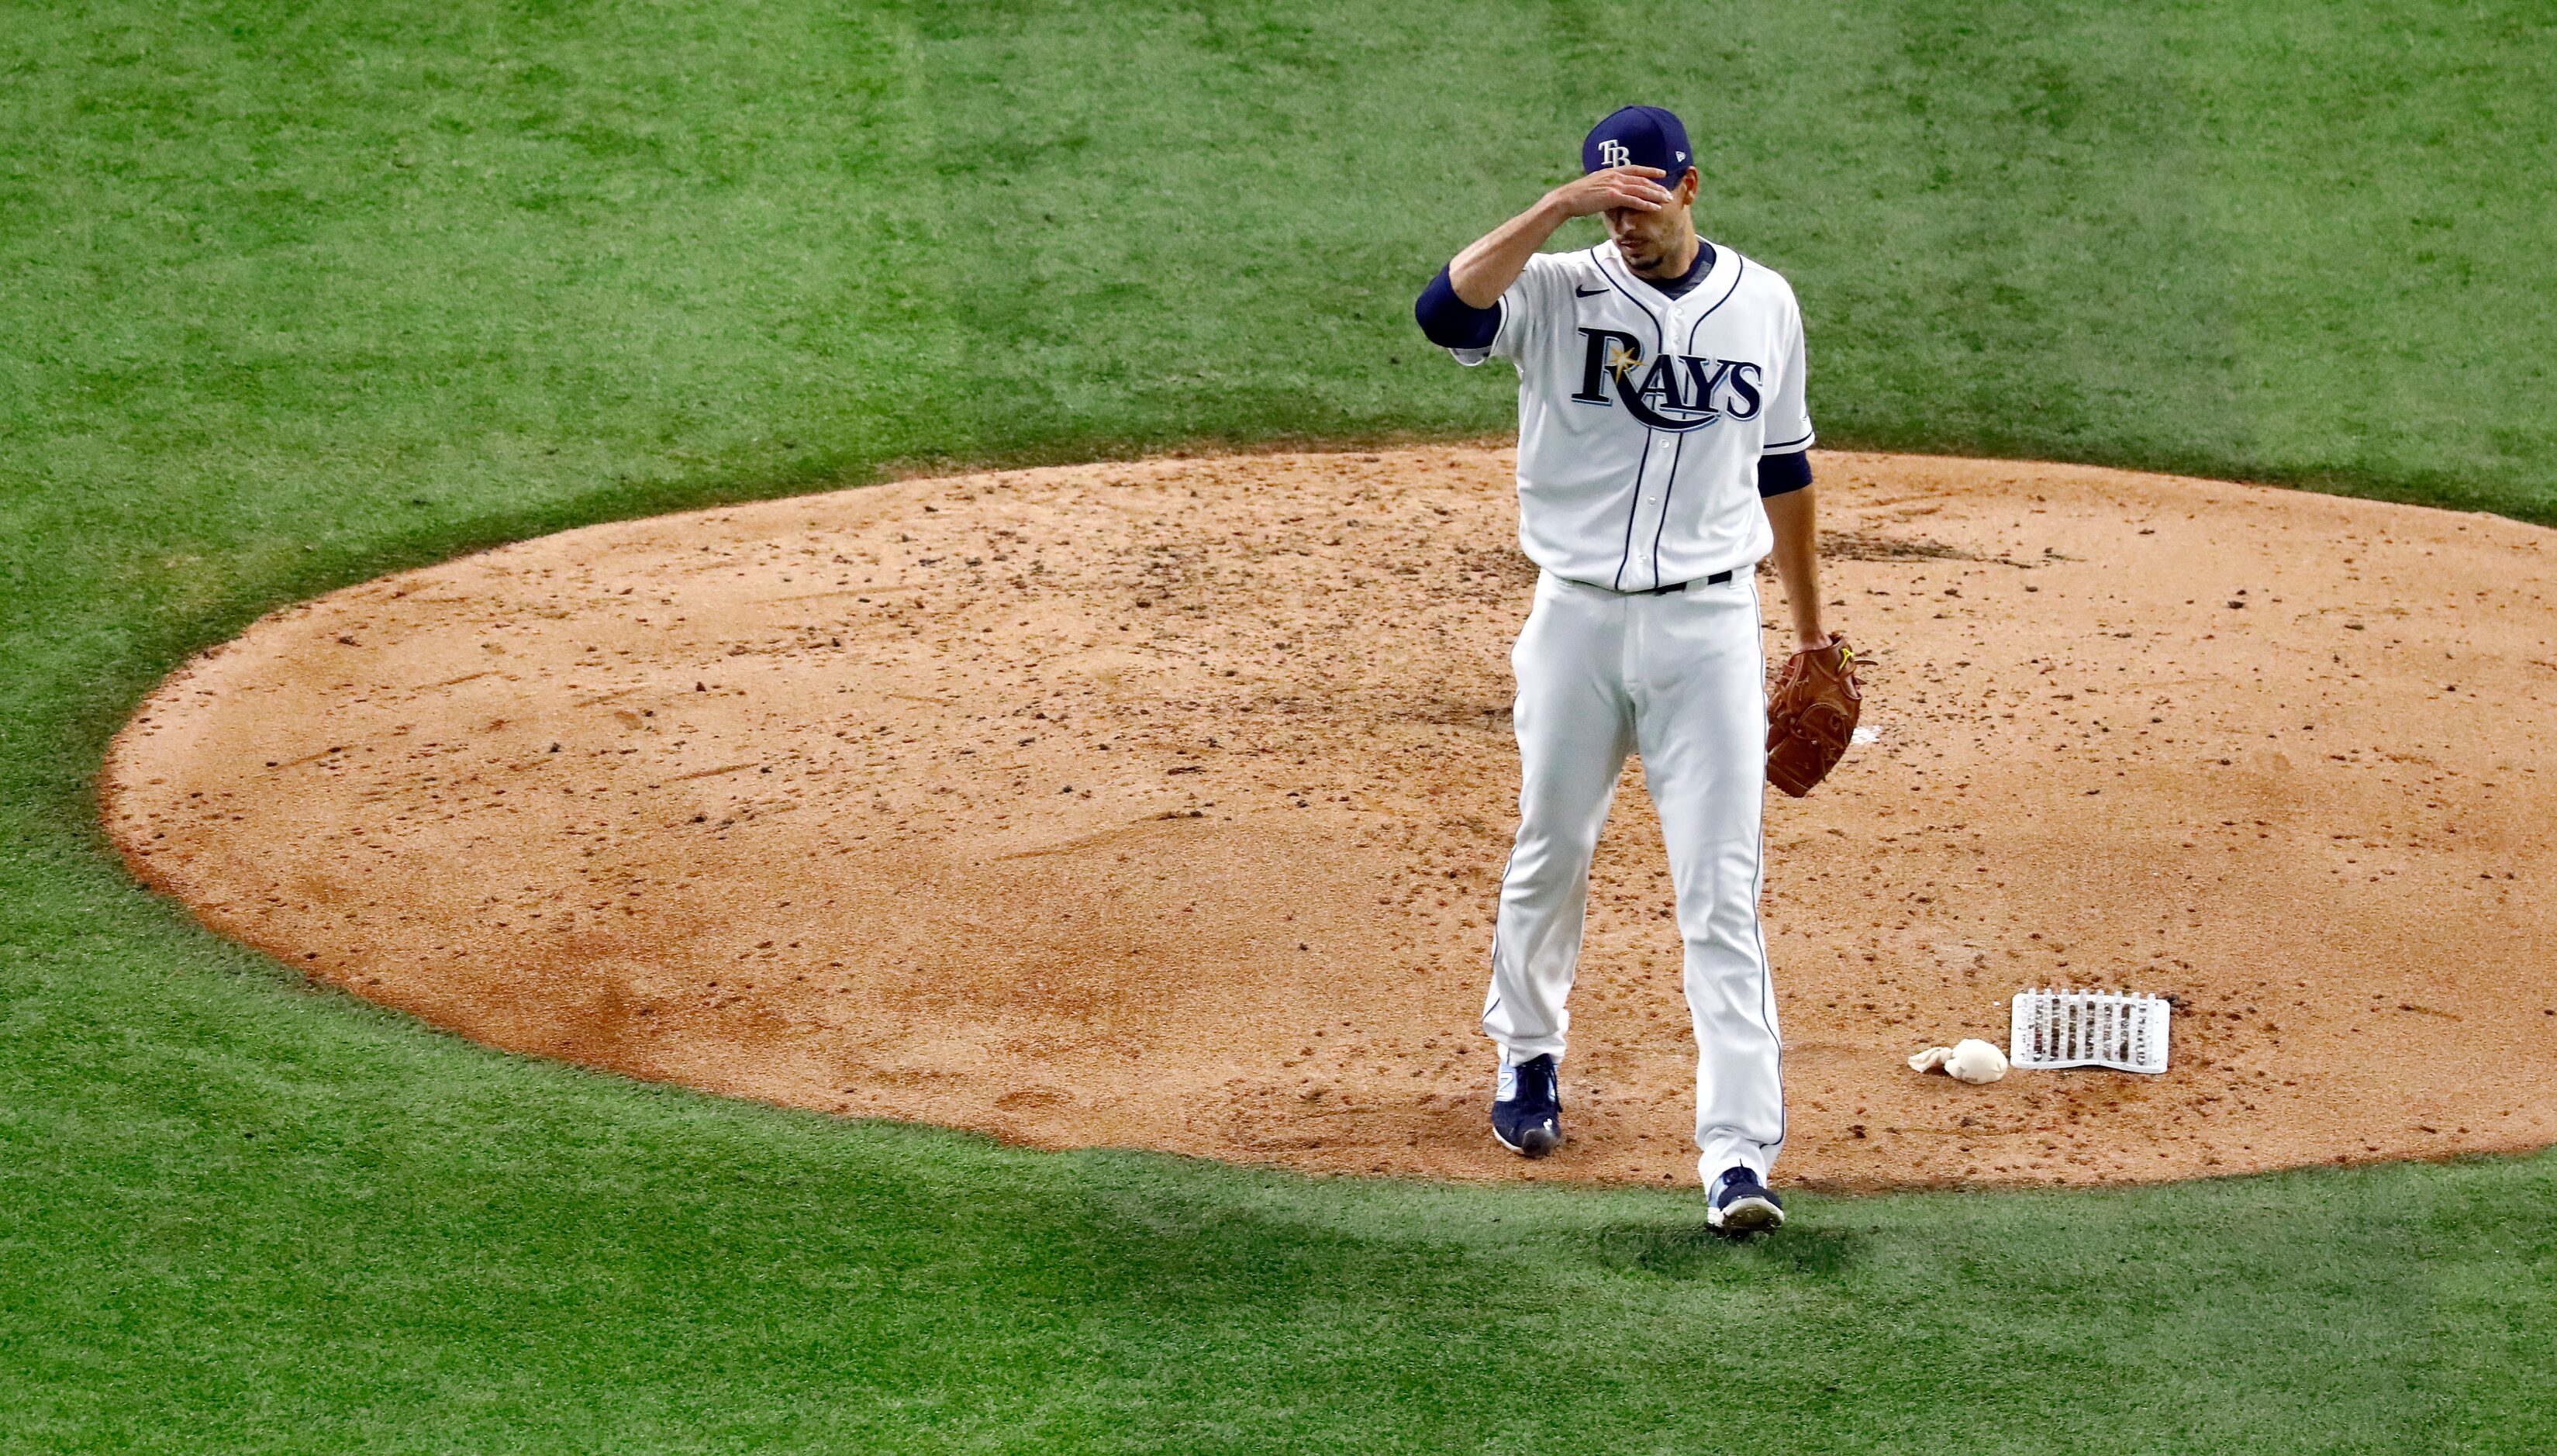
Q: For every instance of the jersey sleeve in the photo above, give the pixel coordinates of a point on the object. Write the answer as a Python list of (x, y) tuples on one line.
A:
[(1788, 414), (1524, 312), (1452, 324)]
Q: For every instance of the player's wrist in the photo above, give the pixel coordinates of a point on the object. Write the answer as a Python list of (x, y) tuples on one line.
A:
[(1561, 205)]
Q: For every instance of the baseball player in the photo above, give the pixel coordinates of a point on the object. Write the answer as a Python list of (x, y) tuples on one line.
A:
[(1662, 438)]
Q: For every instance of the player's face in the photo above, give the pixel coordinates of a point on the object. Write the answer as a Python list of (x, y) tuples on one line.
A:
[(1645, 239)]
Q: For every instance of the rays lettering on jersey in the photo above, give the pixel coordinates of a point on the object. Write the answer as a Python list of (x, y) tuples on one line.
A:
[(1679, 392)]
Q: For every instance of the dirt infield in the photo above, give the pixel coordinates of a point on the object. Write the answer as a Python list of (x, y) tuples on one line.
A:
[(1162, 804)]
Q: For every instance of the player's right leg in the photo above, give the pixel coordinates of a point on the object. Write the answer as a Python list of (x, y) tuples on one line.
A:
[(1574, 728)]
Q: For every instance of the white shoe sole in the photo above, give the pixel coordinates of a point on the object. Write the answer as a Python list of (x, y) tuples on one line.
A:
[(1746, 1216)]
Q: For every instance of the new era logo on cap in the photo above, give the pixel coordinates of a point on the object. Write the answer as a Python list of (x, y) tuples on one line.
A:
[(1638, 136)]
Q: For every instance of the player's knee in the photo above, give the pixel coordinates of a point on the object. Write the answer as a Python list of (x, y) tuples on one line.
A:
[(1543, 859), (1723, 955)]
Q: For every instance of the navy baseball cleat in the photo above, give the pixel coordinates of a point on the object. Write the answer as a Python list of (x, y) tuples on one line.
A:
[(1741, 1204), (1526, 1107)]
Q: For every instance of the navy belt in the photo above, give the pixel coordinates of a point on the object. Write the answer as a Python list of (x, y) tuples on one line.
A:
[(1716, 579)]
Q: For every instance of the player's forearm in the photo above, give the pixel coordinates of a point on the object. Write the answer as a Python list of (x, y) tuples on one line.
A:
[(1491, 263), (1797, 562)]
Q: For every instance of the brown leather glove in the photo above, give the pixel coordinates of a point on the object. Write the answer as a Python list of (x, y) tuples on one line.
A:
[(1811, 715)]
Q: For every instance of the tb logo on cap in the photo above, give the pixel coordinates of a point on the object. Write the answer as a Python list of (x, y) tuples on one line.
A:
[(1638, 136)]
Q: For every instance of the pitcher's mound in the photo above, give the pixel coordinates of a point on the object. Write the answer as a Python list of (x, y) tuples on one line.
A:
[(1163, 804)]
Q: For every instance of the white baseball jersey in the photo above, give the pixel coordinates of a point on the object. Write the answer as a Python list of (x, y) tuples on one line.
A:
[(1642, 416)]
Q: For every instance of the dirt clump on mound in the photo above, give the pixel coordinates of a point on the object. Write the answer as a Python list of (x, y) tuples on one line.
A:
[(1163, 804)]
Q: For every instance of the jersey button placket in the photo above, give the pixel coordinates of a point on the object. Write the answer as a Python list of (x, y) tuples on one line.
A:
[(1652, 490)]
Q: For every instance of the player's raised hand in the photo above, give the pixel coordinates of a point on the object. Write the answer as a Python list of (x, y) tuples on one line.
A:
[(1491, 263), (1610, 187)]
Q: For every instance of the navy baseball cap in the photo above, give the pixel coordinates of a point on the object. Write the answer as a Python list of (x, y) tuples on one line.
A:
[(1639, 136)]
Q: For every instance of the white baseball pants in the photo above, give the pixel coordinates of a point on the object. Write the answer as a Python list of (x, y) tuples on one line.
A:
[(1679, 679)]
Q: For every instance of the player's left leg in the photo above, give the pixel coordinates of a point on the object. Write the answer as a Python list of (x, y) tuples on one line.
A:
[(1700, 725)]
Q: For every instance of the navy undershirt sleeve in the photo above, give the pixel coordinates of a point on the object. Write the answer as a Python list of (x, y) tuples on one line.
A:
[(1452, 322), (1783, 475)]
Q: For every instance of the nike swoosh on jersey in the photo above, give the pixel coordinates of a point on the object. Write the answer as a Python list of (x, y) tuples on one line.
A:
[(1586, 293)]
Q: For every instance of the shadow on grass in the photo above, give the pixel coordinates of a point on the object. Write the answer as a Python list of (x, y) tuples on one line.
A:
[(1692, 1251)]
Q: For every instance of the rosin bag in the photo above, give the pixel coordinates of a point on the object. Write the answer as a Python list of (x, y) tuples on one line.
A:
[(1967, 1060)]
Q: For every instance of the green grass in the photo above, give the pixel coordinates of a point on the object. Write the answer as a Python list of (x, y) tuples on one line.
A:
[(291, 295)]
